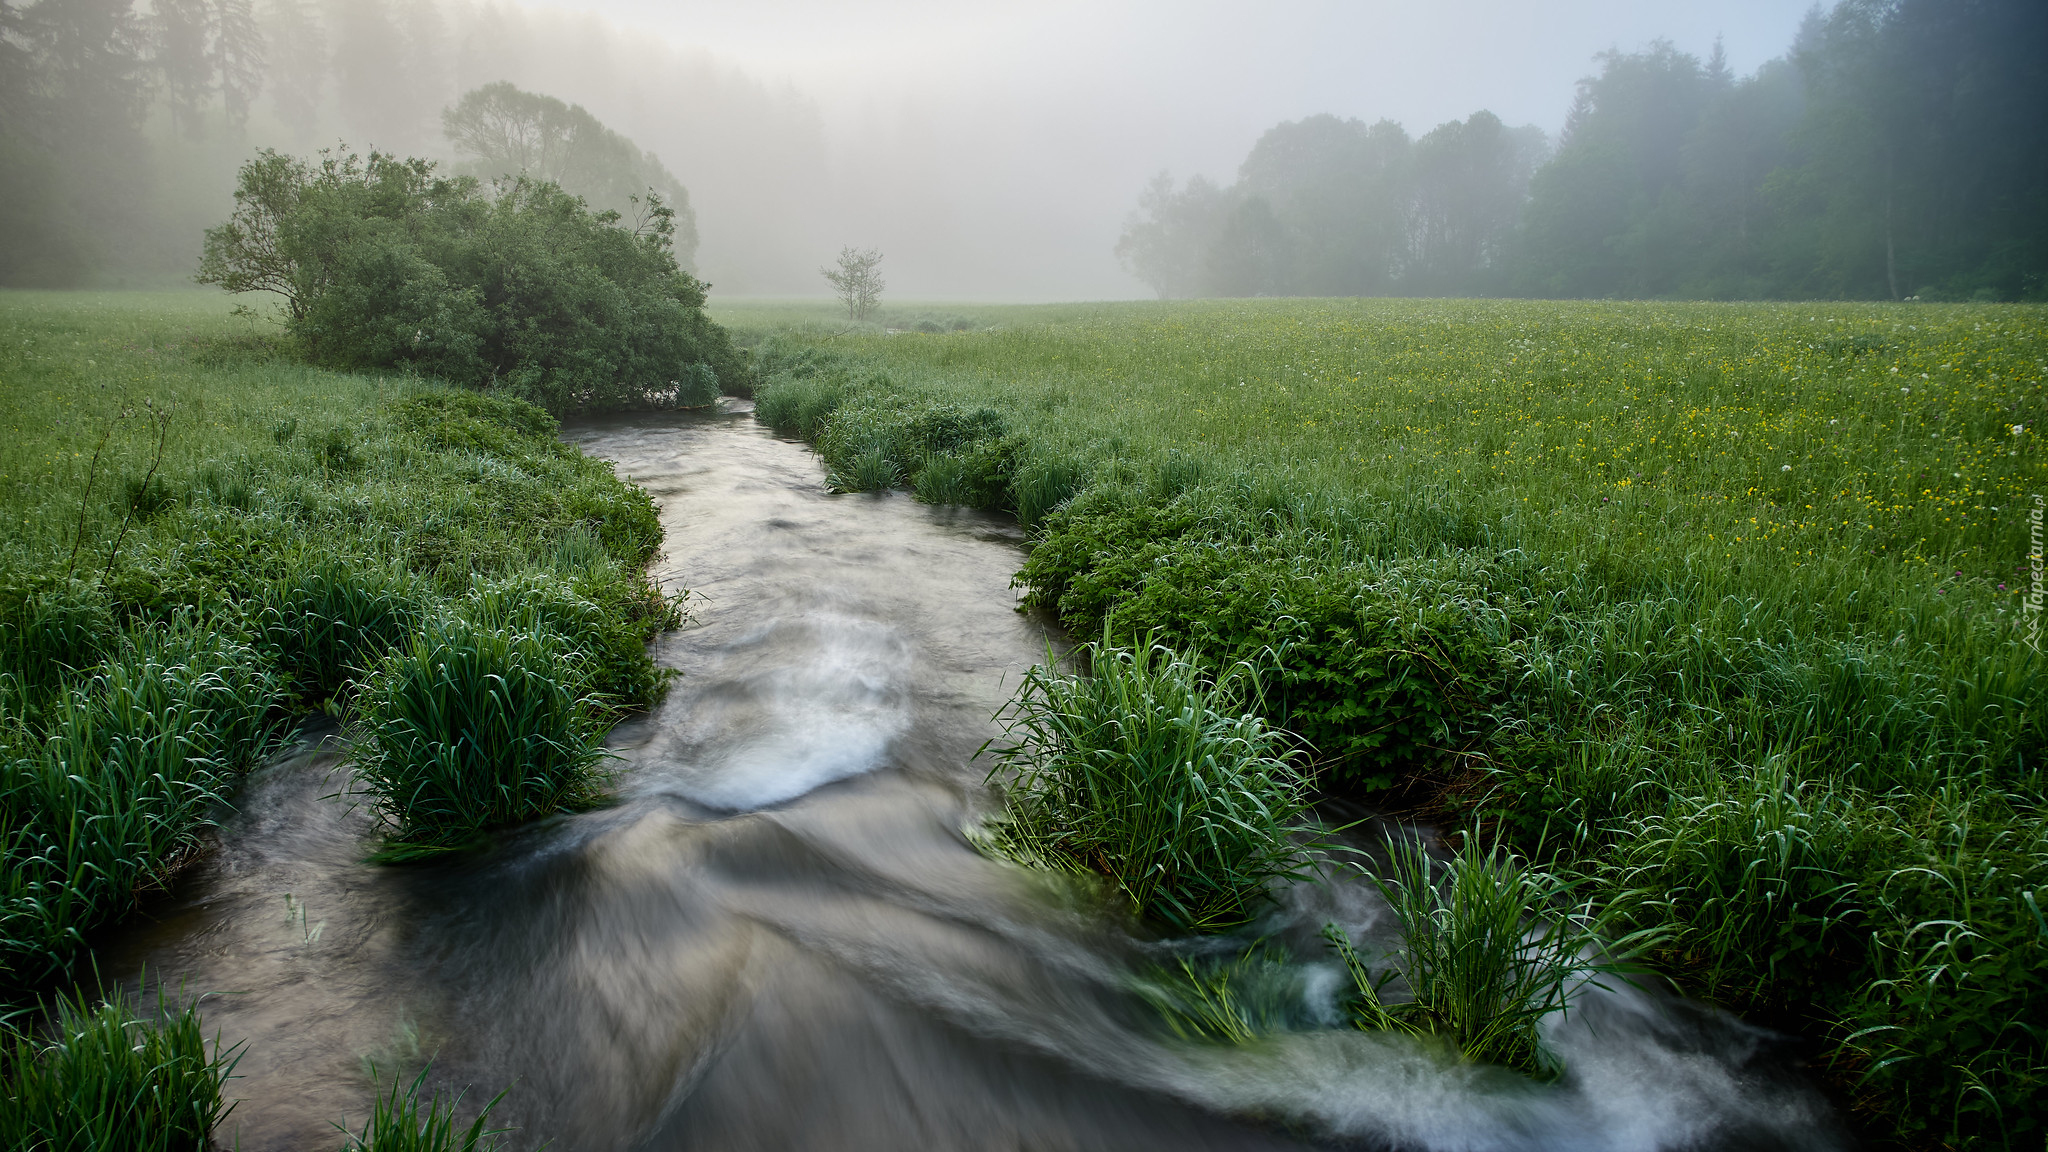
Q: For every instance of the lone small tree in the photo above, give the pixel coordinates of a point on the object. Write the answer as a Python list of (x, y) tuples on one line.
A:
[(858, 284)]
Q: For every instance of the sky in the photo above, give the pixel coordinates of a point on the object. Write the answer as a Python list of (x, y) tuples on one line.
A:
[(993, 149)]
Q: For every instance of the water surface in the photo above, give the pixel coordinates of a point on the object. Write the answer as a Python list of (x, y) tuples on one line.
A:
[(780, 937)]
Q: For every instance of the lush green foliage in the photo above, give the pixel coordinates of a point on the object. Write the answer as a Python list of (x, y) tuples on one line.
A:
[(111, 1079), (309, 524), (383, 264), (1375, 665), (106, 791), (1156, 777), (1734, 598), (470, 727), (1489, 947), (399, 1124)]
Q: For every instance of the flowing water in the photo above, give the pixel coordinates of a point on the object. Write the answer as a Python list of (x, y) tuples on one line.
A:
[(781, 938)]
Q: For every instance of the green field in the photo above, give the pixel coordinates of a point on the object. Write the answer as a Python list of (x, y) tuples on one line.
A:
[(1722, 607)]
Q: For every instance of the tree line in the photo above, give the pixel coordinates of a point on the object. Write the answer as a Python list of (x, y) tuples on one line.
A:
[(123, 123), (1899, 149)]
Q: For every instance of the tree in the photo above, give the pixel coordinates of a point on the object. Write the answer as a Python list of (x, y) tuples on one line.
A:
[(180, 35), (238, 52), (510, 132), (297, 54), (1167, 242), (385, 263), (858, 284)]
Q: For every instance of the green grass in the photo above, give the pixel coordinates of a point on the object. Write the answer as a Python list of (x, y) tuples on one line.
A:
[(466, 728), (209, 541), (400, 1123), (1721, 605), (1489, 947), (1156, 777), (107, 1077)]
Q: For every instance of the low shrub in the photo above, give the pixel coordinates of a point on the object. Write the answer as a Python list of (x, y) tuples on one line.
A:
[(1378, 667), (470, 728), (111, 1079), (1157, 777)]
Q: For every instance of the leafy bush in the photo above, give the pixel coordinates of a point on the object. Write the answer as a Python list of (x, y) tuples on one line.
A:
[(113, 1080), (470, 728), (384, 264), (1156, 777), (1377, 667)]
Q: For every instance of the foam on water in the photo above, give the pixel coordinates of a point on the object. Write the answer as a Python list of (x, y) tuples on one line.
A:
[(798, 703)]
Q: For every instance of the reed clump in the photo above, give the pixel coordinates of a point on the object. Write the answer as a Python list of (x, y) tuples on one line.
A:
[(1490, 946), (468, 728), (108, 1077), (401, 1122), (1158, 777)]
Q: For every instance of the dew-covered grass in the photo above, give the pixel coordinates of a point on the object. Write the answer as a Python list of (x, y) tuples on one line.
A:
[(1725, 611)]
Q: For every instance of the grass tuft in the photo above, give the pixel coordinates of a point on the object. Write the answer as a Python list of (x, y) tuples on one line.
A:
[(1490, 946), (1158, 777), (400, 1123), (113, 1079), (470, 728)]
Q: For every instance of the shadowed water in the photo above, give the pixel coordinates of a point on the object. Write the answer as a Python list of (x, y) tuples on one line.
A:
[(779, 937)]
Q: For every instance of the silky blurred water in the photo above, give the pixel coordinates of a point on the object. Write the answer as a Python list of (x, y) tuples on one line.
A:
[(780, 938)]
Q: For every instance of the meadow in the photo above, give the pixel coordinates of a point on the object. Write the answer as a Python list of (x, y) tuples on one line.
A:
[(1721, 611), (207, 544)]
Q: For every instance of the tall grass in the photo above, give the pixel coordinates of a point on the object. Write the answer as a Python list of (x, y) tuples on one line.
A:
[(400, 1123), (202, 542), (469, 728), (331, 618), (1156, 776), (112, 791), (111, 1078), (1741, 591), (1489, 947)]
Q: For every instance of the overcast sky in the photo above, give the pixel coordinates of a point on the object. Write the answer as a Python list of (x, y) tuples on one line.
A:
[(1058, 110)]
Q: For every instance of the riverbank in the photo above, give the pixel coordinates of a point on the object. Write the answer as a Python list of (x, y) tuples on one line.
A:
[(1720, 607), (207, 543)]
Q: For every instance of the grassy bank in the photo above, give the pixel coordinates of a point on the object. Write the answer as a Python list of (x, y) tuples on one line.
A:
[(1721, 605), (206, 542)]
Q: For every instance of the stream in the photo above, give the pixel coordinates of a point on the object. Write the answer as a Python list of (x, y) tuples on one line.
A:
[(779, 937)]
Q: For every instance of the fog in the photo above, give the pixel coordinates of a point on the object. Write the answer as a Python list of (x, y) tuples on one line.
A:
[(993, 151)]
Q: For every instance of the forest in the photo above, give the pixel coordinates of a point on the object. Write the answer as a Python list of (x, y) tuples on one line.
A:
[(1895, 151)]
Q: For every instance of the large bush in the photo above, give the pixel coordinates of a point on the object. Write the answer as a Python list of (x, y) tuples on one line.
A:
[(382, 263)]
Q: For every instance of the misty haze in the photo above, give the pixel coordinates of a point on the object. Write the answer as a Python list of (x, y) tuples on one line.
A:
[(649, 575)]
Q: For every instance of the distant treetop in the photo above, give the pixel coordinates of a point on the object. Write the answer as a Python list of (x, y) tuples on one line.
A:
[(508, 131)]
